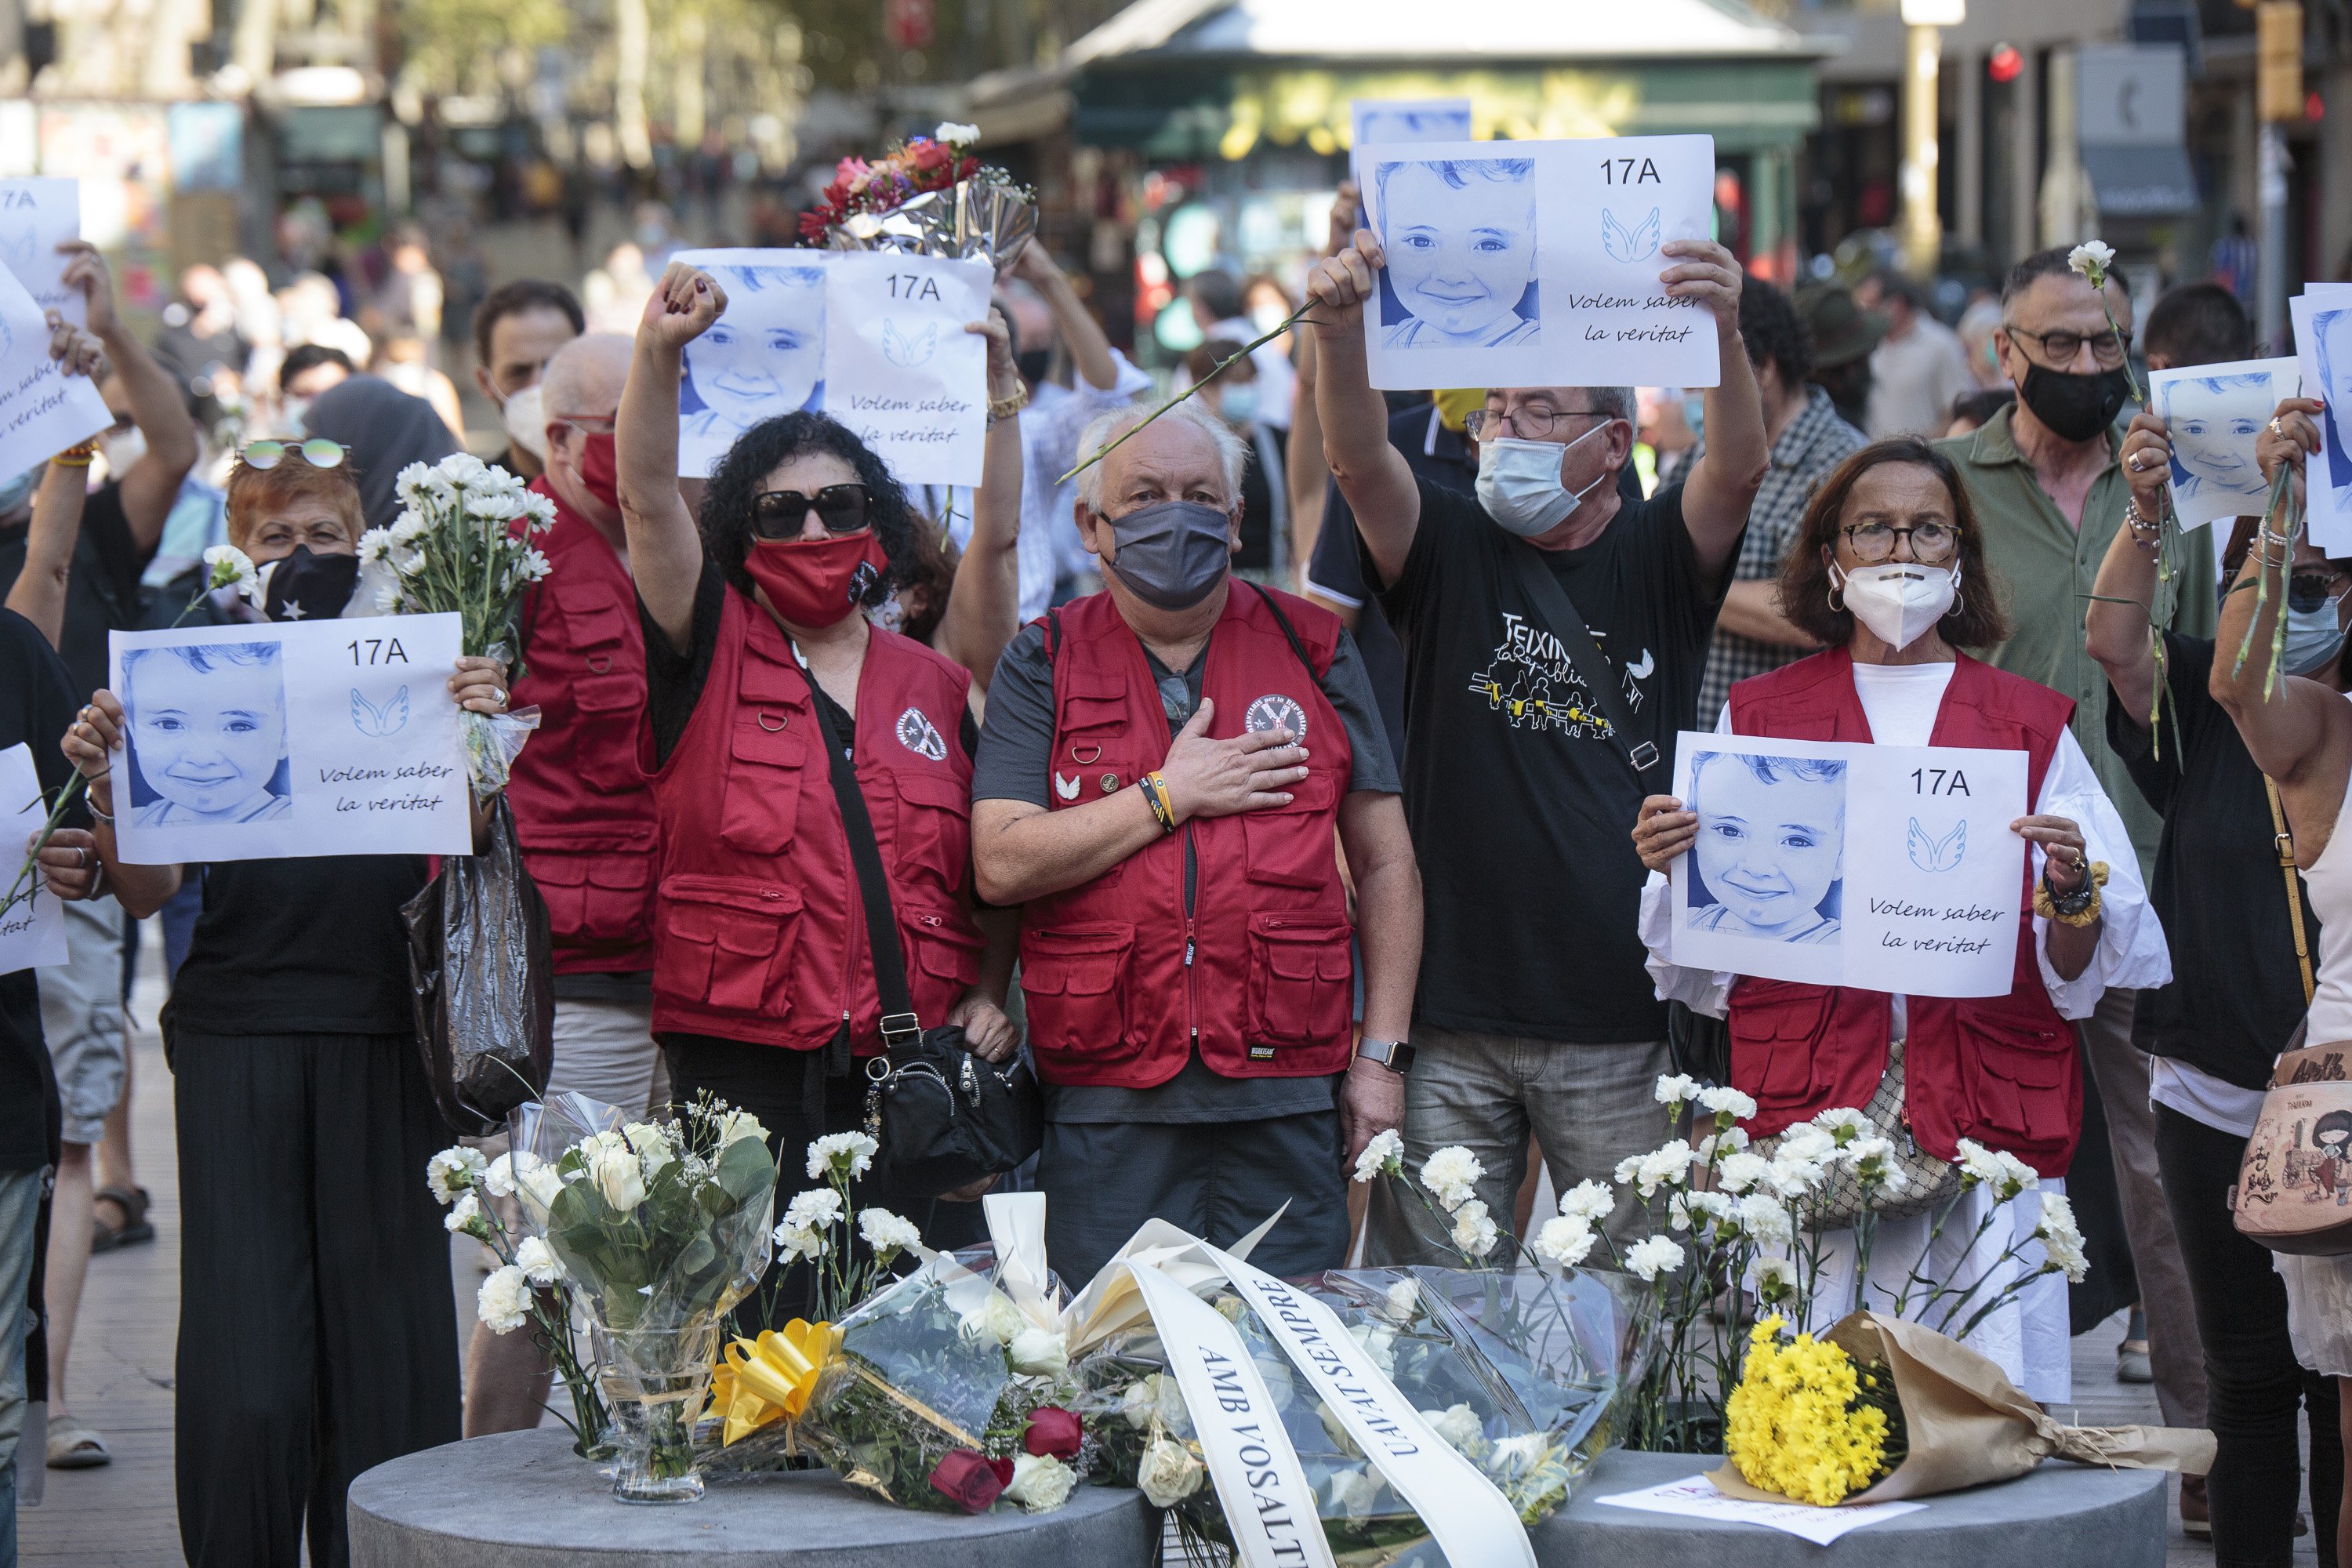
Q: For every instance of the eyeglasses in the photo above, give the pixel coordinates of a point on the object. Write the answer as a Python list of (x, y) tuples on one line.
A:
[(2108, 348), (1534, 424), (2309, 591), (779, 514), (318, 451), (1932, 543)]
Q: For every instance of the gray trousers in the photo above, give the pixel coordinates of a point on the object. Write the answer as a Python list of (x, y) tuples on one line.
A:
[(20, 1207), (1589, 1107), (2175, 1355)]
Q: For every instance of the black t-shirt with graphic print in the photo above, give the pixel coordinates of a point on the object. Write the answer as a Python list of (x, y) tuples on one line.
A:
[(1522, 810)]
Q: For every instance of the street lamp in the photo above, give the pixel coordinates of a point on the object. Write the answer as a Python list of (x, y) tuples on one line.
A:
[(1923, 227)]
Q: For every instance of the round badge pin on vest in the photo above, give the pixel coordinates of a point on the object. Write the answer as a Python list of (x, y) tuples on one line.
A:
[(1276, 711), (1109, 782), (921, 736)]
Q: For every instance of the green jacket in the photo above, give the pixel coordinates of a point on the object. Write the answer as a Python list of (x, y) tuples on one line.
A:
[(2045, 569)]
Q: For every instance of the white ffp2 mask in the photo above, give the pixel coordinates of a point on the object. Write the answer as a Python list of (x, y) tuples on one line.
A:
[(1899, 600), (526, 421), (1519, 483)]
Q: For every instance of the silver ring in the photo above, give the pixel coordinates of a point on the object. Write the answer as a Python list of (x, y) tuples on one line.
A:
[(2274, 427), (501, 697), (85, 857)]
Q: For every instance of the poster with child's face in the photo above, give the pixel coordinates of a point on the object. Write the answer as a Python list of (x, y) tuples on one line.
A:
[(2322, 315), (297, 737), (2214, 414), (1827, 863), (1536, 263)]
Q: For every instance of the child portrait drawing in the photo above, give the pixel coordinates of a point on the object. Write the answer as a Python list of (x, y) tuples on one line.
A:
[(1460, 234), (207, 736), (1771, 852)]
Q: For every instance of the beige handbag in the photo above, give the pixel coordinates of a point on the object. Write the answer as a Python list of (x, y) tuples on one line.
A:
[(2295, 1184)]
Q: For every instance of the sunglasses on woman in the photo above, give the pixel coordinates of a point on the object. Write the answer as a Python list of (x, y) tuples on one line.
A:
[(779, 514), (318, 451)]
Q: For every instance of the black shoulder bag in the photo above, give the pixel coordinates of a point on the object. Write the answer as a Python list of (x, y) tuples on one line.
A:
[(1700, 1046), (943, 1116)]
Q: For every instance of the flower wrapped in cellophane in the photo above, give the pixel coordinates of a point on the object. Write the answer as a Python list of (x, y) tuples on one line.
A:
[(462, 545), (926, 196), (947, 1388), (1519, 1372)]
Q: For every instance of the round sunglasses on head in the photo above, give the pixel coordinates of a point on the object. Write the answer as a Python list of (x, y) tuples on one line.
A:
[(318, 451), (779, 514)]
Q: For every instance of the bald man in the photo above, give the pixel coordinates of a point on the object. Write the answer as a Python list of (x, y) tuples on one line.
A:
[(582, 807)]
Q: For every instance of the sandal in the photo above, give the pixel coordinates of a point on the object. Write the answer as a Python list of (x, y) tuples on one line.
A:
[(134, 1228), (74, 1445)]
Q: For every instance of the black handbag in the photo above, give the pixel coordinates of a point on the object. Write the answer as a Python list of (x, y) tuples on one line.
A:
[(944, 1117)]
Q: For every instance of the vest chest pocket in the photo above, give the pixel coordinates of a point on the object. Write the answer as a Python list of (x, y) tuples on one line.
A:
[(1075, 981), (725, 941), (934, 824), (942, 946), (2013, 1075), (765, 774), (608, 707), (1776, 1041), (1301, 981), (1294, 848), (1092, 745)]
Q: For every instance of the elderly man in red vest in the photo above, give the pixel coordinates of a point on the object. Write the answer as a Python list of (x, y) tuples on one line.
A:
[(583, 808), (1160, 774)]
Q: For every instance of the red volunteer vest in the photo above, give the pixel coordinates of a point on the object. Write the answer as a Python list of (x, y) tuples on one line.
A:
[(582, 809), (1120, 984), (2000, 1070), (759, 935)]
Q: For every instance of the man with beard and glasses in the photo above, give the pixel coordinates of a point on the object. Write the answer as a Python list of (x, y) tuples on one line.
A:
[(2050, 486)]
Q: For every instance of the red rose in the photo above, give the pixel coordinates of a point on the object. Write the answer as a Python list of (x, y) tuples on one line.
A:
[(968, 168), (813, 225), (970, 1480), (1053, 1430)]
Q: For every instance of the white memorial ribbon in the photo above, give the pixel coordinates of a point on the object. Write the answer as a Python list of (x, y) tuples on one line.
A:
[(1466, 1513), (1268, 1505)]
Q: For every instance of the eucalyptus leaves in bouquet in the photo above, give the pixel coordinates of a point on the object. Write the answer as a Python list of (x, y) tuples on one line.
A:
[(462, 545)]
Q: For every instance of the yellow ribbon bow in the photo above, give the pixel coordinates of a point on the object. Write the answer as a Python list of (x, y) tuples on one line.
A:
[(758, 1383)]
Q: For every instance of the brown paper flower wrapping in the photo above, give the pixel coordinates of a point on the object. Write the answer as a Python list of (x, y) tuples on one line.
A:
[(1966, 1424)]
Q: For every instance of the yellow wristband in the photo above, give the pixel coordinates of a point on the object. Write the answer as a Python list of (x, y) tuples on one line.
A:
[(1155, 790)]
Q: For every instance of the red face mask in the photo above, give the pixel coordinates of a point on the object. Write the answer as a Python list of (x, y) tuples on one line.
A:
[(815, 582), (600, 467)]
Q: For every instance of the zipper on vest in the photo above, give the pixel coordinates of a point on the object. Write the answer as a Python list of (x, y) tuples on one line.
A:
[(1191, 975)]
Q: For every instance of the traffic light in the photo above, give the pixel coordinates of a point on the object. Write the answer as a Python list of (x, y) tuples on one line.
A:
[(2278, 72)]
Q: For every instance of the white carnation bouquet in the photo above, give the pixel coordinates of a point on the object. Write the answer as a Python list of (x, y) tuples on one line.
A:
[(462, 545)]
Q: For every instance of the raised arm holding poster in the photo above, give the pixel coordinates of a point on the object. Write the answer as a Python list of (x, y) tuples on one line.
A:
[(37, 215), (874, 340), (1535, 263), (42, 410), (329, 737), (1828, 863)]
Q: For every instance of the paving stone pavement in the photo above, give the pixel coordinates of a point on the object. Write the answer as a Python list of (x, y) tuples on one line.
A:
[(122, 1516)]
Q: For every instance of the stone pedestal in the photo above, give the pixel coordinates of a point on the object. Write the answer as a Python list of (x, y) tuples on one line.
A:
[(2061, 1514), (523, 1499)]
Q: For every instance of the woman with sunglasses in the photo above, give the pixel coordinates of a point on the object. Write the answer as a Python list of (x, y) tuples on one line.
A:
[(316, 1338), (2299, 733), (1889, 571), (756, 654)]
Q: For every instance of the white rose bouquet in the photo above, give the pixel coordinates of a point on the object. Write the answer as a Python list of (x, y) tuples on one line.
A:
[(462, 545)]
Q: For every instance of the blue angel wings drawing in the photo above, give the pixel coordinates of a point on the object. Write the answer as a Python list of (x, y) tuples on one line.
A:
[(1930, 853), (1625, 244), (388, 720)]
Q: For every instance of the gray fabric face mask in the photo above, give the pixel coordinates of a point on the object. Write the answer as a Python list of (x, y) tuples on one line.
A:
[(1172, 555)]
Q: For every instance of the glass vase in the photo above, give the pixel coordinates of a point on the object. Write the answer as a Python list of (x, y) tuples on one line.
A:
[(655, 1383)]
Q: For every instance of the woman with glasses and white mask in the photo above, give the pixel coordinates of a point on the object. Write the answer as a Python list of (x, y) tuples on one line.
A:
[(308, 1241), (757, 660), (1889, 572)]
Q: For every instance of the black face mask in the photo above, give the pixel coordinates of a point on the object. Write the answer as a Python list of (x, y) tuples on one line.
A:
[(307, 587), (2075, 407), (1172, 555), (1033, 363)]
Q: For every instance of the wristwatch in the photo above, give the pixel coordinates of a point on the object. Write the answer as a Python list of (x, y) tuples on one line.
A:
[(1394, 1054)]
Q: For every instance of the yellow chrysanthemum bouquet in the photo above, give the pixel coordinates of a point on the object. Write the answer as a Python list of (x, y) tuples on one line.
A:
[(1807, 1422)]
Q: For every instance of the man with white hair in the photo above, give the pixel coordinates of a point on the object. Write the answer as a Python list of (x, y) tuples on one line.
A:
[(1159, 779), (582, 807), (1555, 635)]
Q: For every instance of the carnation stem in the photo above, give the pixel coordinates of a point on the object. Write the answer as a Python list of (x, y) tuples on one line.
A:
[(1293, 319)]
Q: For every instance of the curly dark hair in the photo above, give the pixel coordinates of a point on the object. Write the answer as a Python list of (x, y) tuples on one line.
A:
[(1978, 618), (1772, 329), (726, 517)]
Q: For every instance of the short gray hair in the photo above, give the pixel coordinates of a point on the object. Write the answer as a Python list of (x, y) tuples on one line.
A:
[(1232, 452), (1617, 401)]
